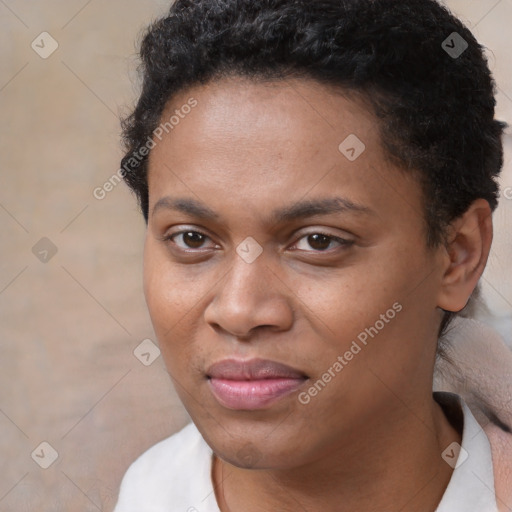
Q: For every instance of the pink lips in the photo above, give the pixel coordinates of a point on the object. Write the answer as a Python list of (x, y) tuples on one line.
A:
[(252, 384)]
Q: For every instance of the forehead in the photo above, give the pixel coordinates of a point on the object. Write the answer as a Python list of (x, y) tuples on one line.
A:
[(252, 141), (285, 117)]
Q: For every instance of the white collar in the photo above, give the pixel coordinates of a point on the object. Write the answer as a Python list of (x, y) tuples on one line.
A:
[(471, 487)]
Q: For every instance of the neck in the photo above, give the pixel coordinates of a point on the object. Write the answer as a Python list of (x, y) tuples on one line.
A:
[(389, 465)]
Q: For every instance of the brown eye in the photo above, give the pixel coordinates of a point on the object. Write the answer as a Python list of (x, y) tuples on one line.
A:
[(193, 239), (321, 242), (188, 239)]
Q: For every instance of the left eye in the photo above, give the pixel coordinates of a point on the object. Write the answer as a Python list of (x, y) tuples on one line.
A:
[(321, 242)]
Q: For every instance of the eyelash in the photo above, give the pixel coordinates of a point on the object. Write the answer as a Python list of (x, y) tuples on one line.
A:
[(344, 243)]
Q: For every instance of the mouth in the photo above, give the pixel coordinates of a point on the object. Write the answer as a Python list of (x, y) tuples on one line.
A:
[(252, 384)]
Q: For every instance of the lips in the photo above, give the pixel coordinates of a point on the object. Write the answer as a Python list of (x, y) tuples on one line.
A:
[(252, 384), (252, 369)]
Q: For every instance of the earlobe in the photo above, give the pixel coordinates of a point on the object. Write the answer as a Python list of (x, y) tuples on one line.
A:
[(466, 253)]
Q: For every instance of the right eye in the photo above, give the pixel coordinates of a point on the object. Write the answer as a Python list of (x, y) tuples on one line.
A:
[(187, 240)]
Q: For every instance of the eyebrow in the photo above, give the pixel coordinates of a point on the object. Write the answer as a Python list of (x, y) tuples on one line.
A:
[(301, 209)]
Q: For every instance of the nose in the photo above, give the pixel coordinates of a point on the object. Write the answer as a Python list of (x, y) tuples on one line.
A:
[(250, 297)]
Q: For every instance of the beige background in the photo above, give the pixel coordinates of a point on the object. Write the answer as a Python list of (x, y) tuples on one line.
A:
[(69, 326)]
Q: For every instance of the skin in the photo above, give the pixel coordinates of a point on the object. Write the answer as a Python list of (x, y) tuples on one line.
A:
[(372, 438)]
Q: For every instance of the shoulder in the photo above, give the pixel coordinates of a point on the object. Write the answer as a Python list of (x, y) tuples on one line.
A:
[(175, 471)]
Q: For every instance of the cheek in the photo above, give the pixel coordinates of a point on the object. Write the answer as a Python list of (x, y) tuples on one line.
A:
[(373, 301), (348, 298), (174, 297), (170, 291), (166, 299)]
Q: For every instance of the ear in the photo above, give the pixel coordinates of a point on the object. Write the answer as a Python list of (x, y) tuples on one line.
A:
[(465, 255)]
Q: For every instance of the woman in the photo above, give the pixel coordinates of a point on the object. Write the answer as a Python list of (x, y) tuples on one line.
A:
[(318, 180)]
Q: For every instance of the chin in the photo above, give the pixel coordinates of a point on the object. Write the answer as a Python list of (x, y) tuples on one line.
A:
[(255, 447)]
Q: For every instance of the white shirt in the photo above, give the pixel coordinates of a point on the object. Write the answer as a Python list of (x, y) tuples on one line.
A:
[(175, 474)]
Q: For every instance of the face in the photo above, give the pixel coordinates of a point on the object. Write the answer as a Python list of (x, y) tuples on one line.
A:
[(286, 271)]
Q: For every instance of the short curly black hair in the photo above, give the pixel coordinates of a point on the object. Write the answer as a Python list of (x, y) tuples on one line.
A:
[(433, 96)]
